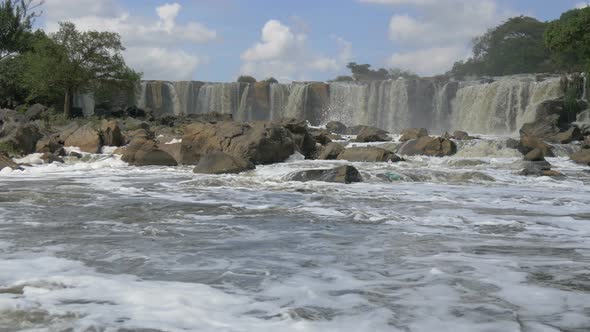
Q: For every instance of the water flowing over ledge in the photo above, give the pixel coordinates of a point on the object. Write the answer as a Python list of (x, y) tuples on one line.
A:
[(498, 106)]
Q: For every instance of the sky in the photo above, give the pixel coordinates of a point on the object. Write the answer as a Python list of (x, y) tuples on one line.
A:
[(301, 40)]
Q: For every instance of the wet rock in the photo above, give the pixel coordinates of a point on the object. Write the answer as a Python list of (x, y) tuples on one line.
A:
[(550, 129), (581, 157), (429, 146), (528, 143), (321, 136), (7, 162), (331, 151), (49, 158), (222, 163), (511, 143), (173, 149), (341, 174), (372, 134), (141, 152), (369, 154), (259, 142), (135, 112), (539, 168), (586, 143), (35, 112), (304, 141), (140, 133), (336, 127), (535, 155), (75, 154), (48, 144), (21, 139), (111, 133), (461, 136), (413, 133), (568, 136), (86, 138)]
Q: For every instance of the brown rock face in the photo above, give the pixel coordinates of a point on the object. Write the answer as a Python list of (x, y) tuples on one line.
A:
[(86, 138), (222, 163), (413, 133), (5, 162), (341, 174), (331, 151), (111, 133), (48, 144), (372, 134), (535, 155), (141, 152), (258, 142), (336, 127), (22, 138), (528, 143), (429, 146), (581, 157), (568, 136), (369, 153)]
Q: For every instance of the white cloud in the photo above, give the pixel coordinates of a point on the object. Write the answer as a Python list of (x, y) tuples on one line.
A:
[(152, 45), (581, 5), (442, 29), (284, 54)]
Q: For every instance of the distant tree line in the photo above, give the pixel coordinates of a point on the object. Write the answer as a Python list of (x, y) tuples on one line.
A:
[(363, 72)]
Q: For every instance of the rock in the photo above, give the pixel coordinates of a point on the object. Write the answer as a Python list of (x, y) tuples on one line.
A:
[(529, 143), (35, 112), (304, 141), (429, 146), (67, 131), (75, 154), (86, 138), (141, 152), (321, 136), (10, 116), (336, 127), (222, 163), (355, 130), (140, 133), (211, 117), (331, 151), (49, 158), (370, 154), (461, 135), (558, 110), (22, 138), (111, 133), (581, 157), (544, 128), (342, 174), (568, 136), (258, 142), (48, 144), (535, 155), (173, 149), (413, 133), (372, 134), (586, 143), (511, 143), (135, 112), (5, 162), (539, 168)]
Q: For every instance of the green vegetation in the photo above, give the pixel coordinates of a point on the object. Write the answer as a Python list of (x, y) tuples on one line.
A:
[(365, 73), (568, 38), (271, 80), (246, 79)]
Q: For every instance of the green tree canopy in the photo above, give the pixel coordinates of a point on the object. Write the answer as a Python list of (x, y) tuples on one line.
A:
[(568, 38), (363, 72), (16, 19), (71, 61)]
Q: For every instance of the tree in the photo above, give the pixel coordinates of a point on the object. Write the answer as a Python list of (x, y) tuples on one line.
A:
[(246, 79), (396, 73), (70, 62), (514, 47), (568, 38), (16, 20)]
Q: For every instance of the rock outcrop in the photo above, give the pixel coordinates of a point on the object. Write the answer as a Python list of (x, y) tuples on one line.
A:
[(341, 174), (331, 151), (19, 138), (369, 154), (336, 127), (222, 163), (86, 138), (111, 133), (141, 152), (413, 133), (6, 162), (429, 146), (581, 157), (372, 134), (529, 143)]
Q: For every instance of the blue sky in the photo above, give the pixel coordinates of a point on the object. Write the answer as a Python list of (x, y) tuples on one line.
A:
[(217, 40)]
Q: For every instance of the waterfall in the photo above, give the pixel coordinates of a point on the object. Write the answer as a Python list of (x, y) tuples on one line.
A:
[(502, 106), (297, 101), (347, 104), (279, 98), (219, 98)]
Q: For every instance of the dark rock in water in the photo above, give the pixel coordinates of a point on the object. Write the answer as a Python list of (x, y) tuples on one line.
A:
[(557, 109), (321, 136), (173, 149), (511, 143), (75, 154), (86, 138), (550, 129), (413, 133), (355, 130), (568, 136), (49, 158), (586, 143), (372, 134), (77, 112), (539, 168), (528, 143), (48, 144), (535, 155), (140, 133), (429, 146), (304, 141), (342, 174), (259, 142), (35, 112), (369, 154), (336, 127), (21, 139), (135, 112), (222, 163), (111, 133), (581, 157), (331, 151), (141, 152), (61, 152), (461, 135), (6, 161)]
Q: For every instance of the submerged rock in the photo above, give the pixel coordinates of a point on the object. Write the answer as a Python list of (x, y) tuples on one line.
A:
[(331, 151), (222, 163), (342, 174), (413, 133), (370, 154), (539, 168), (429, 146), (141, 152), (372, 134)]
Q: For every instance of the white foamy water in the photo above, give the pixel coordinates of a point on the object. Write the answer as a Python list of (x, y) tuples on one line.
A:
[(459, 243)]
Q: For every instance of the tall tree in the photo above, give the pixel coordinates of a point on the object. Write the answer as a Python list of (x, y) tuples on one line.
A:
[(569, 39), (16, 20), (71, 62)]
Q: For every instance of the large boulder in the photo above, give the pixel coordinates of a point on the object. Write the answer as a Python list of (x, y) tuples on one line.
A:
[(258, 142), (173, 149), (341, 174), (568, 136), (86, 138), (48, 143), (331, 151), (6, 162), (429, 146), (539, 168), (111, 133), (581, 157), (35, 112), (21, 138), (141, 152), (336, 127), (413, 133), (369, 153), (535, 155), (372, 134), (222, 163), (11, 116), (321, 136), (550, 129), (529, 143), (303, 139), (461, 135)]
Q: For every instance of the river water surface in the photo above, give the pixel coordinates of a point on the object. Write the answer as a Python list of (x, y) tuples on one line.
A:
[(431, 244)]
